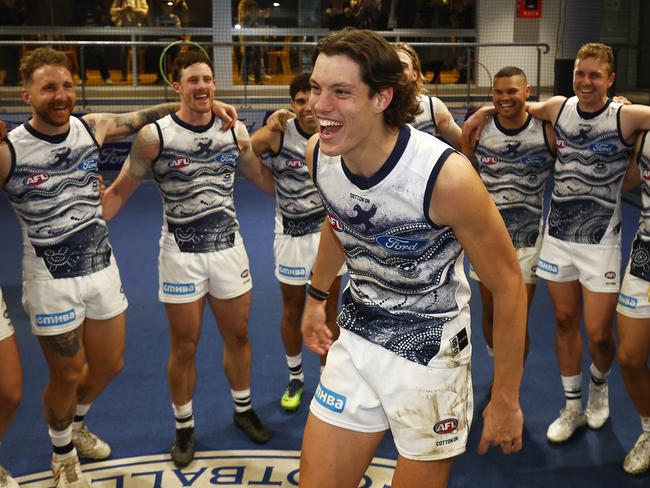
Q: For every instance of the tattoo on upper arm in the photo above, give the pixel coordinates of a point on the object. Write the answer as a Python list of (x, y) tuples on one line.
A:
[(59, 423), (66, 345)]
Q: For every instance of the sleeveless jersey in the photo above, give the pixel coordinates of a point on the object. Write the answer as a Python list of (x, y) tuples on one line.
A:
[(591, 161), (195, 173), (426, 121), (408, 292), (514, 164), (54, 189), (298, 208), (640, 255)]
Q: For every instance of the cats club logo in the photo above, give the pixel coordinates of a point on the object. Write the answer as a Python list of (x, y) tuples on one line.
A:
[(209, 469)]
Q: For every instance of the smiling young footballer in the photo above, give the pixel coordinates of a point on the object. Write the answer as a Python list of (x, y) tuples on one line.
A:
[(402, 206)]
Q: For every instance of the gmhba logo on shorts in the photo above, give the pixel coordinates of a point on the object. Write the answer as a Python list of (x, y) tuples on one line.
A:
[(209, 469)]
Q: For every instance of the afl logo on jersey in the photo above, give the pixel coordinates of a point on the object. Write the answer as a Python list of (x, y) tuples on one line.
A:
[(610, 275), (335, 222), (295, 163), (605, 148), (399, 244), (226, 158), (88, 165), (178, 163), (560, 143), (646, 174), (488, 160), (36, 179)]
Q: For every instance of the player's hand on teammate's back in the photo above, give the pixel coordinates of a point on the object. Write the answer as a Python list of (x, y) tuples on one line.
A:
[(316, 334), (503, 425), (621, 99), (475, 124)]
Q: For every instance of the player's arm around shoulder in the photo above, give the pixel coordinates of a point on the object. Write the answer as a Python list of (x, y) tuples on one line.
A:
[(548, 110), (461, 201), (467, 148), (266, 140), (634, 118), (309, 153), (249, 164), (447, 126), (144, 151), (115, 127)]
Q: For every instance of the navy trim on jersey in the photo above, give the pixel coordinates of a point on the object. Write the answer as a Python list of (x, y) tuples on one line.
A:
[(194, 128), (161, 146), (512, 132), (12, 168), (300, 130), (618, 128), (364, 183), (55, 139), (428, 192), (560, 112), (433, 114), (90, 132), (592, 115), (314, 164), (234, 136)]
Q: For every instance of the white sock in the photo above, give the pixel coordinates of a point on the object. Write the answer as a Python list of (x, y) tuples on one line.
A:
[(573, 391), (295, 367), (80, 412), (597, 377), (184, 416), (62, 443), (242, 399)]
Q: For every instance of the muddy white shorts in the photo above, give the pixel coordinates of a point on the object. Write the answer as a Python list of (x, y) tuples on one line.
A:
[(366, 388)]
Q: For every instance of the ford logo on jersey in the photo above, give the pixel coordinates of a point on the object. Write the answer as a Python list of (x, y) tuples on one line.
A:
[(533, 160), (88, 165), (226, 158), (295, 163), (400, 244), (179, 162), (605, 148), (36, 179)]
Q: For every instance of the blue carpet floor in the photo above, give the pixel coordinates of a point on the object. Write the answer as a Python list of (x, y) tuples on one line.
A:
[(134, 413)]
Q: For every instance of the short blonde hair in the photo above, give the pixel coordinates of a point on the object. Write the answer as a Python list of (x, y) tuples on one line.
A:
[(601, 52), (43, 56)]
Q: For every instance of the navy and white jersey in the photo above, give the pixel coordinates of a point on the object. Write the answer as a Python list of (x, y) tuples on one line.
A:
[(591, 161), (640, 255), (54, 189), (514, 164), (298, 208), (408, 292), (195, 172), (426, 121)]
